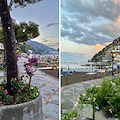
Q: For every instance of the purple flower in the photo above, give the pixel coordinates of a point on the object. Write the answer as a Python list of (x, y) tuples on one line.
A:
[(108, 102), (28, 66)]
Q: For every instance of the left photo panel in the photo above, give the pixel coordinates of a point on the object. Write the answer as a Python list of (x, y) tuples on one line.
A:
[(29, 60)]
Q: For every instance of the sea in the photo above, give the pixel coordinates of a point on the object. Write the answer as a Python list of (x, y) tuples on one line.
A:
[(75, 66)]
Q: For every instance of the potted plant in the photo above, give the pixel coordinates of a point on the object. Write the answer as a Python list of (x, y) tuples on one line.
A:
[(47, 65), (54, 66), (24, 100)]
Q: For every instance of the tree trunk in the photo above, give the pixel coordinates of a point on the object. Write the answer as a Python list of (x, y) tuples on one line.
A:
[(10, 44)]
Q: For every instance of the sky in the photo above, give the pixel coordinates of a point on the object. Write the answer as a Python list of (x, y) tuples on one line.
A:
[(46, 15), (87, 26)]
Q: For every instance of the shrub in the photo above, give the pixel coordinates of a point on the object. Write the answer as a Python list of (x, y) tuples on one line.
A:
[(105, 98), (21, 92)]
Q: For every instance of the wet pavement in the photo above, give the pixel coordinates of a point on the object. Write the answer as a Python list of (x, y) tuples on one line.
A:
[(70, 93), (49, 89)]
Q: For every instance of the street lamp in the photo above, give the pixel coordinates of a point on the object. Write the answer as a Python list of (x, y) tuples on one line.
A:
[(113, 55)]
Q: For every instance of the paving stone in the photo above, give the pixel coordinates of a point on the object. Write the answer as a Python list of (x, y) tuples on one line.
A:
[(57, 92), (39, 82), (67, 95), (53, 84), (78, 92), (76, 97), (78, 85), (39, 79), (78, 89), (51, 110), (55, 99), (67, 90), (86, 86), (35, 84), (67, 100), (85, 118), (45, 95), (49, 89), (46, 118)]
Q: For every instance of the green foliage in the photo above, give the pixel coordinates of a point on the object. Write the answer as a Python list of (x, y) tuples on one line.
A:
[(22, 48), (98, 56), (33, 92), (54, 65), (8, 100), (48, 60), (24, 31), (21, 92), (105, 98), (16, 85), (1, 35), (68, 114), (4, 66), (24, 3)]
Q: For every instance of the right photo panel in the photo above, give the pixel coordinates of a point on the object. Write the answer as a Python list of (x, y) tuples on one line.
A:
[(90, 60)]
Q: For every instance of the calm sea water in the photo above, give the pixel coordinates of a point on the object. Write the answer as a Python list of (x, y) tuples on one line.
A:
[(75, 66)]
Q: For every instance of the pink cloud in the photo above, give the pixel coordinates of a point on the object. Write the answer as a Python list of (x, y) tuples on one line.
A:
[(98, 47)]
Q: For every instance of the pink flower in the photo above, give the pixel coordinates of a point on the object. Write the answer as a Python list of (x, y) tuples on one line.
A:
[(6, 91), (24, 78), (22, 87), (15, 79)]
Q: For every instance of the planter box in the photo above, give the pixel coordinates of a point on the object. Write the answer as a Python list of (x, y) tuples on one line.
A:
[(54, 68), (31, 110), (88, 112), (47, 65)]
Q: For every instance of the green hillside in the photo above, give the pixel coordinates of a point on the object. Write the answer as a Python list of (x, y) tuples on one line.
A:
[(103, 54)]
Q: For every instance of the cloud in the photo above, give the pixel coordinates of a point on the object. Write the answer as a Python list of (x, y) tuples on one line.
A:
[(45, 40), (107, 43), (52, 24), (73, 47), (98, 47), (90, 22)]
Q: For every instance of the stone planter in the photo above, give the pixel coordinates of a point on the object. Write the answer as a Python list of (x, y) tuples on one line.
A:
[(87, 111), (31, 110)]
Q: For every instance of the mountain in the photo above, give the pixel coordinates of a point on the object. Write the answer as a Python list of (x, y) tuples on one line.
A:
[(104, 54), (39, 48)]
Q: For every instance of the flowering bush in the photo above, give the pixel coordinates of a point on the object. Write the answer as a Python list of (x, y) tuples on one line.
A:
[(29, 67), (54, 65), (105, 98), (21, 92), (68, 114)]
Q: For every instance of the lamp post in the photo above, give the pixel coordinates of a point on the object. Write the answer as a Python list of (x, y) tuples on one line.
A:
[(113, 55)]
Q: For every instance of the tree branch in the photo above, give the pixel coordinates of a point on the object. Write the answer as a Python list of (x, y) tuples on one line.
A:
[(10, 4)]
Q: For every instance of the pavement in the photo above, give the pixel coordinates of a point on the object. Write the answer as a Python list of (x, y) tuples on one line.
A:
[(70, 93), (49, 89)]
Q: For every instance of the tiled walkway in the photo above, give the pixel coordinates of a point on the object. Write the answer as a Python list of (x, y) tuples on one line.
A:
[(71, 92), (49, 88)]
